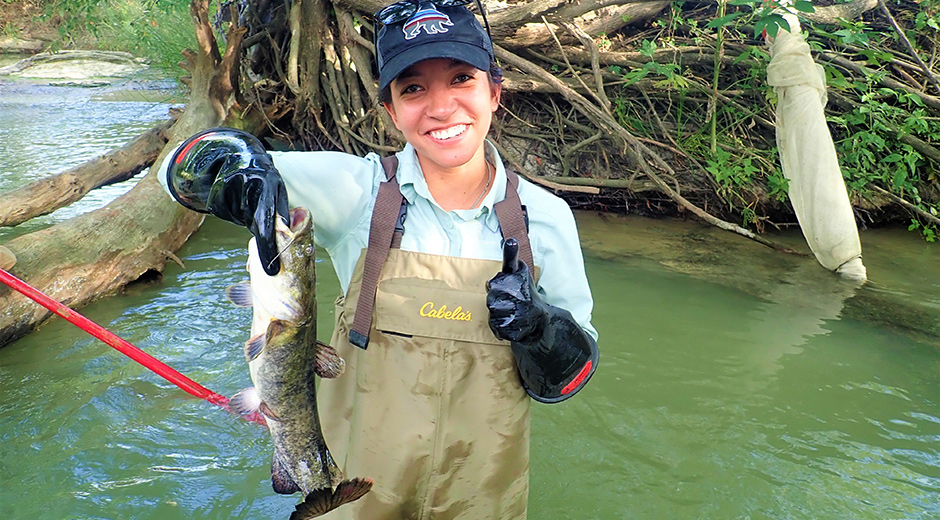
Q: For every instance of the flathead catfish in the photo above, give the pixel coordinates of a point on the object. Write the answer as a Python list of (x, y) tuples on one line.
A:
[(283, 356)]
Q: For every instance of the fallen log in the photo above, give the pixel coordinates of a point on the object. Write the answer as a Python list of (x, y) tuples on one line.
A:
[(607, 21), (96, 254), (51, 193)]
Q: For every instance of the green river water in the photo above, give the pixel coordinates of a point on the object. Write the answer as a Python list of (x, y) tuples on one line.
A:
[(734, 382)]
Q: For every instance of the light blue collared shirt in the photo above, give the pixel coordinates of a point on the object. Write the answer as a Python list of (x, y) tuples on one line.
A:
[(340, 191)]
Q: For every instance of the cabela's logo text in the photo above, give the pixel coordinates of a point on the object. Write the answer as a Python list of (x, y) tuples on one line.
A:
[(458, 314)]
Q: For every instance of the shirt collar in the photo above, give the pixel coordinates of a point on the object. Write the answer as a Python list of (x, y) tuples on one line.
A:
[(412, 185)]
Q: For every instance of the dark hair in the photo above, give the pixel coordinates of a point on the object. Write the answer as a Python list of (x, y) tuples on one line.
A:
[(495, 74)]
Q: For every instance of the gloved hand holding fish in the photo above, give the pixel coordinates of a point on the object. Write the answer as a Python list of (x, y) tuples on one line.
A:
[(283, 356)]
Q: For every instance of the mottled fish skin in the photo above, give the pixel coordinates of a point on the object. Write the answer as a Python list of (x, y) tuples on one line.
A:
[(283, 356)]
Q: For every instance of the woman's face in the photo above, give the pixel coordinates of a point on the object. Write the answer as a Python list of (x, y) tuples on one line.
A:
[(444, 108)]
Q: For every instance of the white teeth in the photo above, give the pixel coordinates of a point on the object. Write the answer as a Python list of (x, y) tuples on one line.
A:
[(448, 133)]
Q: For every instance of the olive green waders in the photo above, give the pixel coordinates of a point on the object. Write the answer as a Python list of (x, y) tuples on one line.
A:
[(433, 410)]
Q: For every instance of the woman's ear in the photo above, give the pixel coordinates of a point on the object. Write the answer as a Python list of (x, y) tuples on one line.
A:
[(496, 91), (390, 108)]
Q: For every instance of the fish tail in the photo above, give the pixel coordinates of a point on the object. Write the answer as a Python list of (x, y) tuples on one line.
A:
[(351, 490), (322, 501)]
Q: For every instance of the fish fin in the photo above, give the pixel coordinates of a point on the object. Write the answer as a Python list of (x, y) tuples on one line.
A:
[(276, 327), (328, 362), (245, 401), (239, 294), (321, 501), (281, 480), (318, 502), (267, 411), (351, 490), (254, 347)]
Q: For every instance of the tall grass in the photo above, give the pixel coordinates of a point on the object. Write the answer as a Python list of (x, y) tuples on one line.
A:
[(157, 30)]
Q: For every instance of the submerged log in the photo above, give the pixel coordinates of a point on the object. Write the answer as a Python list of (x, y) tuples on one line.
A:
[(97, 253), (47, 195)]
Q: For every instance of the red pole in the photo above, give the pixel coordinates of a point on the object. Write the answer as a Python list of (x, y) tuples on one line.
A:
[(148, 361)]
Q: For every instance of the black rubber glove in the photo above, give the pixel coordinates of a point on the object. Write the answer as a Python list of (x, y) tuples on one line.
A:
[(554, 355), (227, 173)]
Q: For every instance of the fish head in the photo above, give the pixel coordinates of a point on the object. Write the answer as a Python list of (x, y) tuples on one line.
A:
[(291, 293), (294, 239)]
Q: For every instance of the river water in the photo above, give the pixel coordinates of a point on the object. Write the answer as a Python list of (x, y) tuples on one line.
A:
[(734, 383)]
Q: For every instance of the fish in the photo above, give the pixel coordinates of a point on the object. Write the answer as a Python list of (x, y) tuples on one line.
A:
[(283, 356)]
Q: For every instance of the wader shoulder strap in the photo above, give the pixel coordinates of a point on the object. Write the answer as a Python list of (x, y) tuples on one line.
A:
[(385, 228), (513, 221)]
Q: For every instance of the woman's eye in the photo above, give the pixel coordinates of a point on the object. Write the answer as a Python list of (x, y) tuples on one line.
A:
[(410, 89), (461, 78)]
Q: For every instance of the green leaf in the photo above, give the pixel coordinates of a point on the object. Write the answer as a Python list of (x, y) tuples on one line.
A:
[(781, 22), (804, 6), (771, 23), (759, 27), (647, 48), (893, 158), (720, 22)]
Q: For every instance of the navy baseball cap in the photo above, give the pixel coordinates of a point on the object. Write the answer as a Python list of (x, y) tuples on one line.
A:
[(432, 32)]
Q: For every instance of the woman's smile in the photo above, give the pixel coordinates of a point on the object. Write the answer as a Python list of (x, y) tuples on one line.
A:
[(448, 133), (444, 108)]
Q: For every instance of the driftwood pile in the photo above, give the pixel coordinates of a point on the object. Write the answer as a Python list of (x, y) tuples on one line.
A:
[(619, 105)]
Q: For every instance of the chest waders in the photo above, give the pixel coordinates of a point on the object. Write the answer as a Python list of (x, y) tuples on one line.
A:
[(434, 410)]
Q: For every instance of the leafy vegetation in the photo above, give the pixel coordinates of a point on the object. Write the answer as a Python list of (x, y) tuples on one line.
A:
[(883, 130), (691, 83), (154, 29)]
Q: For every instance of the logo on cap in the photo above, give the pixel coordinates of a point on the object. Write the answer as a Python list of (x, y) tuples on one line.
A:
[(431, 20)]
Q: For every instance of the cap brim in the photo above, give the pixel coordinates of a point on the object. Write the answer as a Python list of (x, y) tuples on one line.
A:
[(460, 51)]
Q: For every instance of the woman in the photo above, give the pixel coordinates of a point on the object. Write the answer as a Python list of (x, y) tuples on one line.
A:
[(433, 404)]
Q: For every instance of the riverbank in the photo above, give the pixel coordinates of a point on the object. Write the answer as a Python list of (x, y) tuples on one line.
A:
[(22, 30)]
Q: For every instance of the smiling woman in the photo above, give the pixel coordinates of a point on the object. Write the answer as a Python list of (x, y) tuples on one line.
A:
[(516, 320), (444, 107)]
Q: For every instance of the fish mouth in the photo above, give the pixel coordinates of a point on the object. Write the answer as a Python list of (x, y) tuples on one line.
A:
[(298, 223), (299, 219)]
